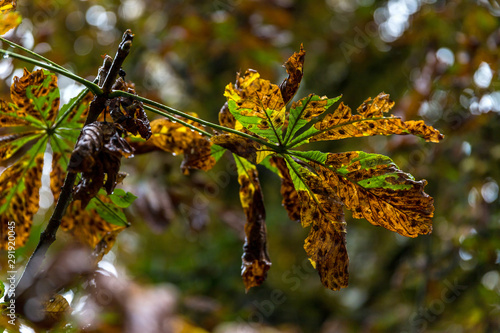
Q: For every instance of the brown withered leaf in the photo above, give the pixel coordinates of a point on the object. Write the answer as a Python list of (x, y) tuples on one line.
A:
[(255, 259), (198, 157), (226, 118), (174, 137), (86, 225), (295, 69), (322, 210), (372, 187), (19, 196), (326, 245), (97, 155), (128, 112), (370, 120)]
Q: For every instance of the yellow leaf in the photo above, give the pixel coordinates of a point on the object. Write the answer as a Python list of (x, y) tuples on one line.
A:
[(9, 21), (379, 192), (176, 138), (259, 105), (342, 124), (19, 187), (7, 5)]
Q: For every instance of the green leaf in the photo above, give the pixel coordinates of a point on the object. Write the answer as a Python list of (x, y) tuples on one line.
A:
[(72, 114), (267, 123), (217, 151), (47, 104), (313, 155), (2, 289), (11, 143), (304, 111), (25, 164), (109, 212), (366, 162), (267, 163), (296, 172), (121, 198)]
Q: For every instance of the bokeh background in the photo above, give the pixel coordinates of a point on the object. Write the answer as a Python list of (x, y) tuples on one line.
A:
[(439, 60)]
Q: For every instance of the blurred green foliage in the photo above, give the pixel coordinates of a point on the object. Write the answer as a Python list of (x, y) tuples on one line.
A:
[(439, 61)]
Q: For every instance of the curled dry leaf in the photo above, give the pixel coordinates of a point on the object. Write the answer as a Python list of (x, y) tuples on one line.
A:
[(255, 259), (97, 155), (295, 68), (85, 225), (129, 113)]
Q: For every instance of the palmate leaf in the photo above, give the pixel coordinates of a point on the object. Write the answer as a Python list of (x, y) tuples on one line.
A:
[(31, 121), (36, 101), (315, 185)]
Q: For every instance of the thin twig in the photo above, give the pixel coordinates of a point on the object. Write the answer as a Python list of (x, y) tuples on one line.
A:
[(48, 236), (99, 102)]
